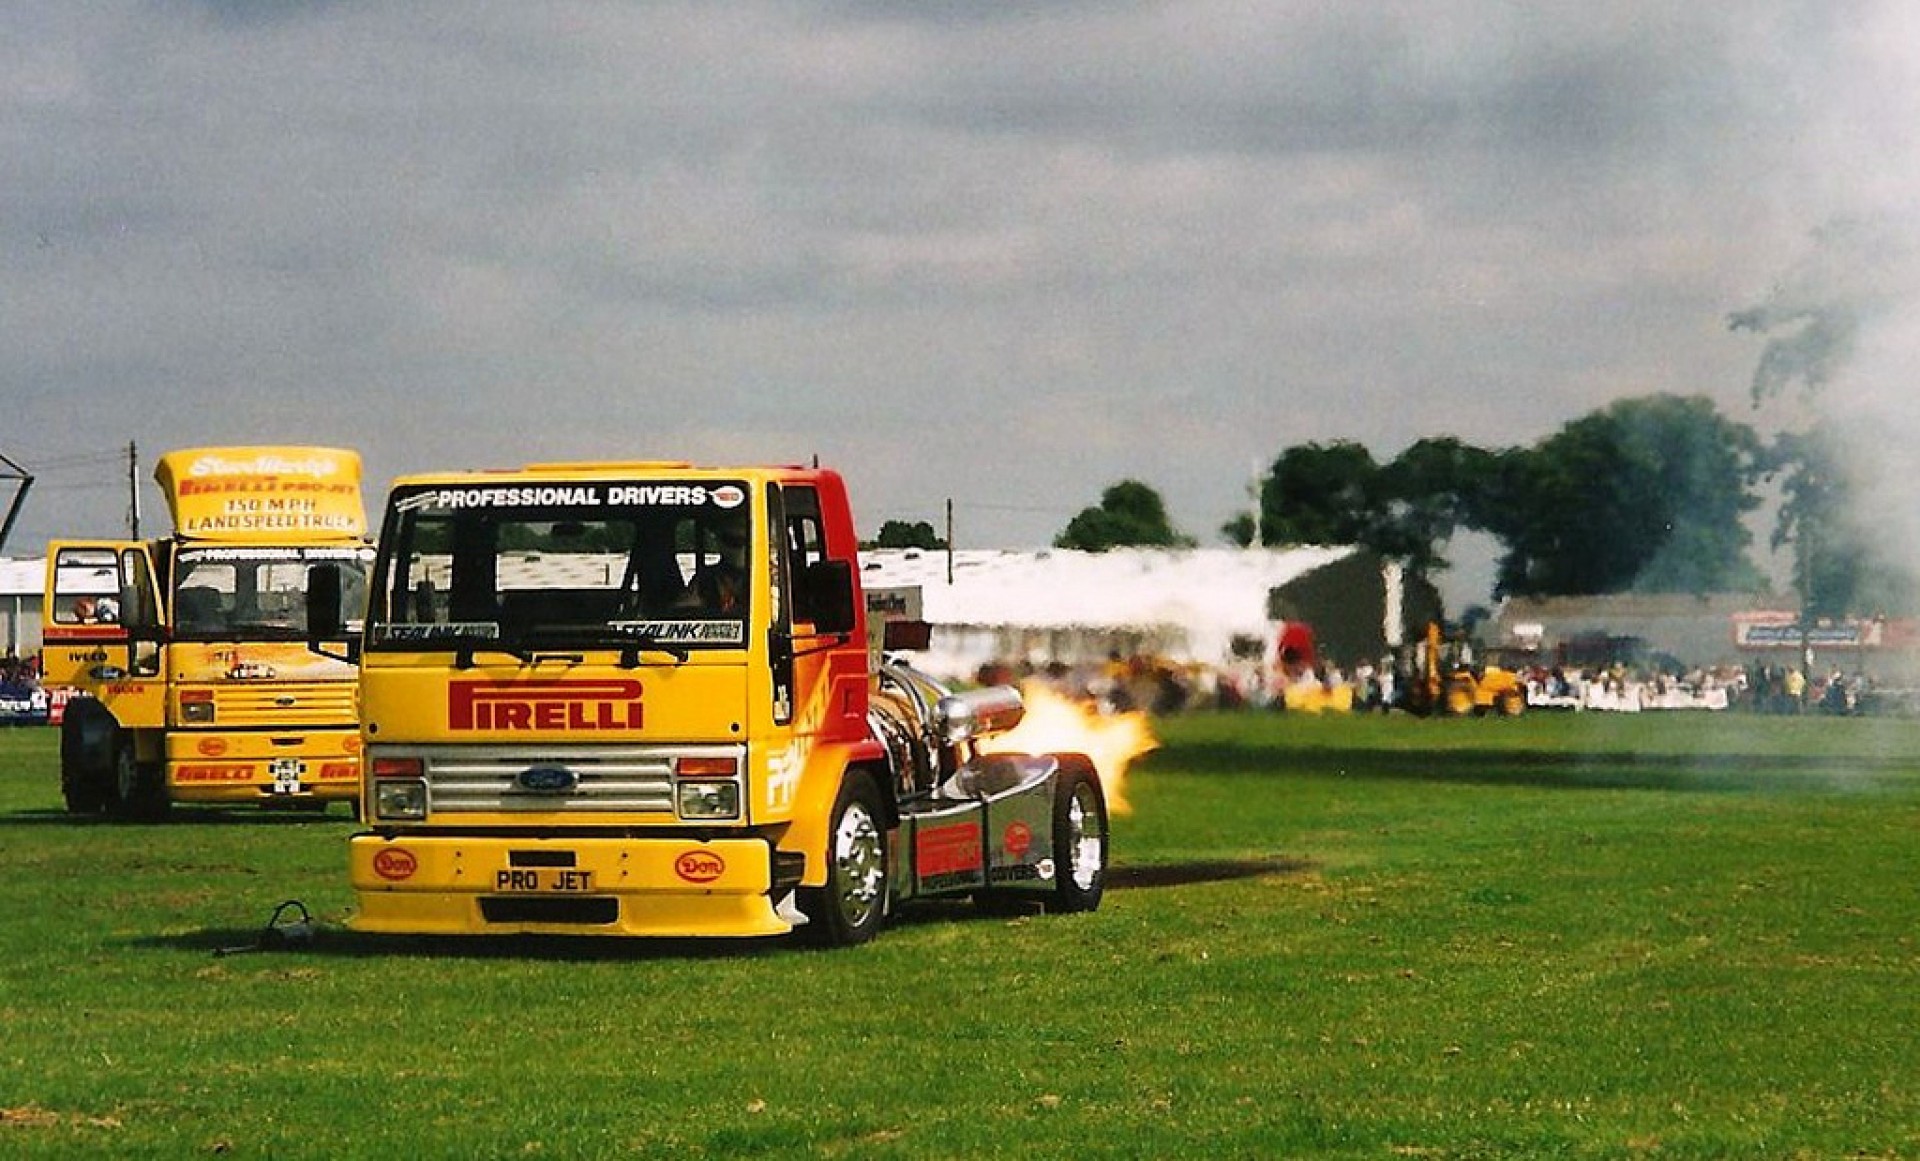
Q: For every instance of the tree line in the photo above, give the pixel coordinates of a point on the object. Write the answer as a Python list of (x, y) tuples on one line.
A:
[(1647, 494)]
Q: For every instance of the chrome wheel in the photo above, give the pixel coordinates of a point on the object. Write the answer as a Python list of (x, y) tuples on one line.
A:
[(851, 905), (1086, 837), (859, 865), (1079, 836)]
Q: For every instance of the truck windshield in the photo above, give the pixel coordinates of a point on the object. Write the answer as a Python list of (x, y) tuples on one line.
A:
[(612, 564), (257, 594)]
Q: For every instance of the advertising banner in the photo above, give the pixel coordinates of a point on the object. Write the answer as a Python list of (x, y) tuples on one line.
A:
[(259, 494)]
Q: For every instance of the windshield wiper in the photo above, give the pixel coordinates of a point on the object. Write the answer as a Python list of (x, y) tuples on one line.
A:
[(463, 654), (630, 652), (630, 644)]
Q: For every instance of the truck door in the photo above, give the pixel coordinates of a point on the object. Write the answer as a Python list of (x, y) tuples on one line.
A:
[(821, 665), (104, 627)]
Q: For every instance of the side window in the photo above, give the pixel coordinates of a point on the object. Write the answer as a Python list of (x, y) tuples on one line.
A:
[(776, 549), (806, 545), (136, 579), (86, 587)]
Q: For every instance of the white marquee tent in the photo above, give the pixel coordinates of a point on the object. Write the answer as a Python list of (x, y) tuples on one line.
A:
[(1186, 605)]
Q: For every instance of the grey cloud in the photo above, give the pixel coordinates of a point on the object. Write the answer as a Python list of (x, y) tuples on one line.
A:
[(1151, 240)]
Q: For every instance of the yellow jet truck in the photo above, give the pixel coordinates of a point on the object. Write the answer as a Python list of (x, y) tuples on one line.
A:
[(636, 699), (190, 652)]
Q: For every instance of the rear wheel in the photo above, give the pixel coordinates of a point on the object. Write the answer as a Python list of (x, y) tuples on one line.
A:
[(1079, 839), (851, 906)]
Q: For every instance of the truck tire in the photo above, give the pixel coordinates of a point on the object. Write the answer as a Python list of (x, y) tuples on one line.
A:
[(88, 739), (1079, 837), (851, 906), (140, 788)]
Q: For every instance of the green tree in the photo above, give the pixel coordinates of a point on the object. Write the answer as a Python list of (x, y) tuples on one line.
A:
[(1430, 491), (1812, 322), (1645, 494), (1315, 494), (1129, 514), (1337, 493), (901, 534), (1840, 563)]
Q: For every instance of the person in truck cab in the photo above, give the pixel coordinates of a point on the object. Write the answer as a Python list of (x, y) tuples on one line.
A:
[(719, 584)]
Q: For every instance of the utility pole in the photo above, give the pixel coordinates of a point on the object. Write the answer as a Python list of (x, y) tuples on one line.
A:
[(1255, 489), (133, 490), (949, 539)]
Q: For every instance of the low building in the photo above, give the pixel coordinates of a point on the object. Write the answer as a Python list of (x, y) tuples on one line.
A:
[(21, 585), (1209, 607)]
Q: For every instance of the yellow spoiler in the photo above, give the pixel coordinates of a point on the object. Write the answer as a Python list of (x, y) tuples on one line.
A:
[(263, 494)]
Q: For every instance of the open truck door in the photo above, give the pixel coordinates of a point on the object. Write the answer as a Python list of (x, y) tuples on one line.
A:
[(103, 637)]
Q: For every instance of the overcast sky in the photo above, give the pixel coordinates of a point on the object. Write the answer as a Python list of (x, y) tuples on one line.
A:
[(1006, 254)]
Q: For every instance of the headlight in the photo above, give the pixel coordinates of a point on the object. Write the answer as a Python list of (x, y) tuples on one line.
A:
[(708, 799), (196, 705), (400, 800)]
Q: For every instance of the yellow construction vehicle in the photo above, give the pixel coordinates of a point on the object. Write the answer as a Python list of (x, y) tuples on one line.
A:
[(1447, 681)]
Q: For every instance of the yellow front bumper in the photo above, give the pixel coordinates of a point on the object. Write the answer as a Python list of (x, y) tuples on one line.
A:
[(237, 767), (489, 885)]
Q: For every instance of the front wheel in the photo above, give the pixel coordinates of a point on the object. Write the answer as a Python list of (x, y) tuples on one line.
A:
[(851, 906), (1079, 839), (140, 787), (89, 739)]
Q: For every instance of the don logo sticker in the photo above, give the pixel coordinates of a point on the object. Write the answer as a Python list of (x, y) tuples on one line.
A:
[(699, 866), (395, 864)]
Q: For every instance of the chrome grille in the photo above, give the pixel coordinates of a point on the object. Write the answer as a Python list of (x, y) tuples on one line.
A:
[(611, 779), (316, 704)]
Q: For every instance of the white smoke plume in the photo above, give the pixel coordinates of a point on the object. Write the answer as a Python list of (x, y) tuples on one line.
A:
[(1843, 352)]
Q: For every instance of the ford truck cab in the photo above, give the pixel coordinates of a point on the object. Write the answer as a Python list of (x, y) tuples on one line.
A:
[(637, 699), (190, 651)]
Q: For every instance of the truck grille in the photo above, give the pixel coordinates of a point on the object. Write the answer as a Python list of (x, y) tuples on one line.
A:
[(607, 779), (316, 704)]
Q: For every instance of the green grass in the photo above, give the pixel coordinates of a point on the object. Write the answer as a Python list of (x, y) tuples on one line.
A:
[(1577, 936)]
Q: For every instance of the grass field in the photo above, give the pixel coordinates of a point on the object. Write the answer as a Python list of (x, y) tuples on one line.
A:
[(1576, 936)]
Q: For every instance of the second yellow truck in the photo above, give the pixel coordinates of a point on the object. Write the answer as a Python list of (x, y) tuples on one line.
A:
[(190, 650)]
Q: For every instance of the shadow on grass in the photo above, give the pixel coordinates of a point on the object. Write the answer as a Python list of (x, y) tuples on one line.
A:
[(179, 816), (333, 941), (1710, 773), (1201, 871)]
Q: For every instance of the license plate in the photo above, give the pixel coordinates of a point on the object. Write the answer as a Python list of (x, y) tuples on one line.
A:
[(286, 775), (542, 881)]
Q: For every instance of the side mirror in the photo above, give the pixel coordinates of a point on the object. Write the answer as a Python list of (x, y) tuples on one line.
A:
[(828, 598), (324, 619)]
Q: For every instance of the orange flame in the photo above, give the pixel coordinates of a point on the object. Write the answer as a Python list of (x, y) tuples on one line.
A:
[(1058, 724)]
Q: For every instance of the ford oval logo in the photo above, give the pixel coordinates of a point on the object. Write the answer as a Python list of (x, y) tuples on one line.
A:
[(546, 780)]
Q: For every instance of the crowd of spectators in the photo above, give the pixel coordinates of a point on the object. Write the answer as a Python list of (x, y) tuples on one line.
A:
[(22, 700), (1161, 686)]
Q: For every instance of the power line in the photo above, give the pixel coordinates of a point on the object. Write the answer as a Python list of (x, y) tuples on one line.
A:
[(86, 459)]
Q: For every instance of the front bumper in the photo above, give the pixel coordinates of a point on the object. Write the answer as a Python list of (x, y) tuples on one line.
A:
[(242, 767), (497, 885)]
